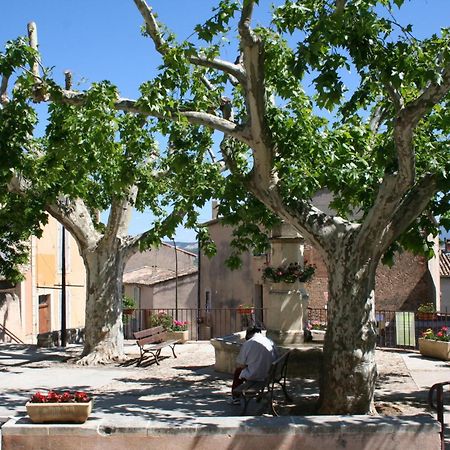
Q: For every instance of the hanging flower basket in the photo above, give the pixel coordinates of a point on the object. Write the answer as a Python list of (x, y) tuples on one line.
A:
[(59, 408), (290, 273)]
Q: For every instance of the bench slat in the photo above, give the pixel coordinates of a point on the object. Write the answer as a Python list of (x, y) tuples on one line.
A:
[(152, 339), (149, 332)]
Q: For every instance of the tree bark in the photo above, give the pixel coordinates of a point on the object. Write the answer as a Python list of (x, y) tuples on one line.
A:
[(349, 375), (103, 325)]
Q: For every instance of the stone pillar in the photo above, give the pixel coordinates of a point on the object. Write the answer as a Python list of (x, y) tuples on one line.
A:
[(287, 303)]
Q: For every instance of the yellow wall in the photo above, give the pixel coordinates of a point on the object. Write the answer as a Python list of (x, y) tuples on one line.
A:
[(48, 275)]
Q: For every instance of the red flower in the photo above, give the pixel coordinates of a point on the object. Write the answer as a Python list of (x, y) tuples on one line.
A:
[(82, 397), (66, 397), (53, 397), (38, 398)]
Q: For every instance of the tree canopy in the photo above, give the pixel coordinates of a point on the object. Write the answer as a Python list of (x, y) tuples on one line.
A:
[(336, 95)]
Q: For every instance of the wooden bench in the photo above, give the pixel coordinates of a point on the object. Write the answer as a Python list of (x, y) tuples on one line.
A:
[(264, 389), (155, 340)]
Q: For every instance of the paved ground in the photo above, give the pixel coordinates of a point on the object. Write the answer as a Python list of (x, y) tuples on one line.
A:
[(188, 386)]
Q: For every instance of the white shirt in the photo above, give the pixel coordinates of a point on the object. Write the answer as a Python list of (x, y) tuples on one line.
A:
[(257, 354)]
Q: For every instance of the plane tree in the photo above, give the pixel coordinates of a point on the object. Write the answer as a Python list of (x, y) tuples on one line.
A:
[(335, 95), (91, 159)]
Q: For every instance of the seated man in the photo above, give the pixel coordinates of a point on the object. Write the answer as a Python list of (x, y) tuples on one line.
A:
[(254, 360)]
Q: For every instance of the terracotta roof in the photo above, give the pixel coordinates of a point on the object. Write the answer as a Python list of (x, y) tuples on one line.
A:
[(444, 264), (154, 275)]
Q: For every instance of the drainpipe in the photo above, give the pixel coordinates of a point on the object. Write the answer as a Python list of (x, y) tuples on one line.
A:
[(34, 300), (176, 279), (199, 253), (63, 288)]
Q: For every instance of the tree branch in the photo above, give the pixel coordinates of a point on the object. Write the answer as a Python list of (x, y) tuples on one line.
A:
[(132, 106), (3, 90), (33, 40), (76, 218), (73, 214), (135, 242), (409, 209), (120, 214), (407, 121), (252, 50), (395, 96), (161, 45)]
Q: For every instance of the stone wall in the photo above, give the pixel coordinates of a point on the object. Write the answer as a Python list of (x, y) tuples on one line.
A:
[(53, 338), (400, 288), (117, 432)]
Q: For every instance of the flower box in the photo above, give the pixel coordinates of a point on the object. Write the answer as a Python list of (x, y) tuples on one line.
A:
[(246, 310), (435, 349), (182, 335), (426, 316), (59, 412), (318, 335)]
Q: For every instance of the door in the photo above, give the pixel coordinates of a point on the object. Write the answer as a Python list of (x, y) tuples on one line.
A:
[(44, 314)]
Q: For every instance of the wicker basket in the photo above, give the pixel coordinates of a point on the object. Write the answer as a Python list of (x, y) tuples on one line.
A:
[(59, 412)]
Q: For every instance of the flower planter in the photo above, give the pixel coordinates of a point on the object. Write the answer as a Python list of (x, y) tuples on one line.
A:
[(426, 316), (246, 310), (435, 349), (128, 311), (59, 412), (318, 335), (182, 336)]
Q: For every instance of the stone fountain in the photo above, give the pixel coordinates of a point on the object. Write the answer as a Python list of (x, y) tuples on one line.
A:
[(286, 316)]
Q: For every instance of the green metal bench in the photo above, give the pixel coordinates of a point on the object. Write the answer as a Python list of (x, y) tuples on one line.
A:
[(264, 389)]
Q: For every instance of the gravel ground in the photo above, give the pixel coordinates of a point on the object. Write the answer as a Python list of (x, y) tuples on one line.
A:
[(186, 385)]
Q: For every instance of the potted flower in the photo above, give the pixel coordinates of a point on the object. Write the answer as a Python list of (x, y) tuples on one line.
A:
[(426, 311), (435, 344), (162, 318), (178, 331), (128, 305), (317, 330), (175, 329), (289, 273), (66, 407)]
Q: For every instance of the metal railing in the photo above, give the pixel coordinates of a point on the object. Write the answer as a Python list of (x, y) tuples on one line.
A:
[(396, 329), (438, 389), (5, 332), (201, 323)]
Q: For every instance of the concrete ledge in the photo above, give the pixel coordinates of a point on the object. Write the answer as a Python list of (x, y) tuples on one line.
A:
[(203, 433)]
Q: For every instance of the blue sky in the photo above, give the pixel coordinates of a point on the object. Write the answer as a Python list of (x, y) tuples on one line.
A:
[(99, 40)]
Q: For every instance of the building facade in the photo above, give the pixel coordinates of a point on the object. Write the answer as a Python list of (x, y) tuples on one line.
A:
[(33, 306)]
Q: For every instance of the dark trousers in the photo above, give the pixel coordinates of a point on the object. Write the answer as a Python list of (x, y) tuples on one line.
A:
[(237, 381)]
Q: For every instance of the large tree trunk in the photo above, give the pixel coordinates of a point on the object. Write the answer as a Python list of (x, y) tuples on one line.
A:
[(349, 370), (103, 325)]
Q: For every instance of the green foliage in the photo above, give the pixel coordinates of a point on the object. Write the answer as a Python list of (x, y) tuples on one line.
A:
[(317, 60), (128, 302), (162, 318)]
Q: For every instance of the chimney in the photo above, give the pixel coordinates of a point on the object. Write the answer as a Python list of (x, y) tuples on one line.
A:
[(214, 209)]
